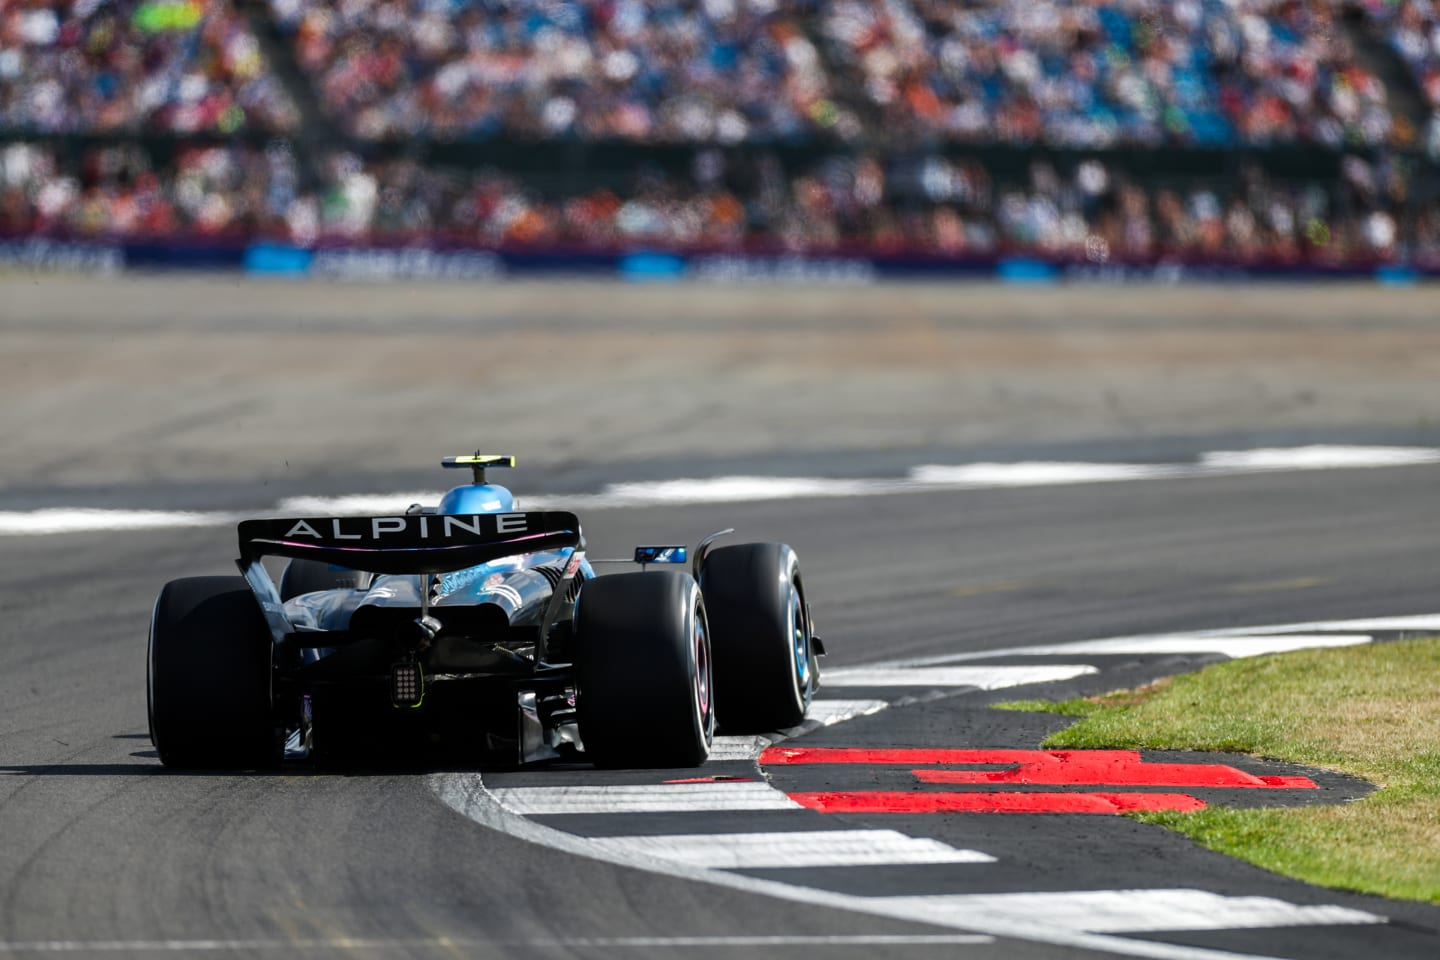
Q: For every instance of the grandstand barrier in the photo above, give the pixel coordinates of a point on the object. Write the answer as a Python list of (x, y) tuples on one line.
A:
[(362, 262), (39, 253)]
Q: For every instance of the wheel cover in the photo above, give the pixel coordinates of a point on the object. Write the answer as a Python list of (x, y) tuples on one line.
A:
[(702, 677), (800, 642)]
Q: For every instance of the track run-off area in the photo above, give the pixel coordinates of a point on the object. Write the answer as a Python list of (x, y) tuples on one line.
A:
[(960, 549)]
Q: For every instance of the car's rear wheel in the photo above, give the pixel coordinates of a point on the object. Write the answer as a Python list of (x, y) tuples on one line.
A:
[(209, 677), (765, 666), (307, 576), (643, 671)]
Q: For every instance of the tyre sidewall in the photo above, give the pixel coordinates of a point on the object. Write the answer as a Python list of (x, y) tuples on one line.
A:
[(749, 590), (637, 642), (209, 677)]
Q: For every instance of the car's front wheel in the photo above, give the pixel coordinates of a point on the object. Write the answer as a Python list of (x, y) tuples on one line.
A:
[(765, 655)]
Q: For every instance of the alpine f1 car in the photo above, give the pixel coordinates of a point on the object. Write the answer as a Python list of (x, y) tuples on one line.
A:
[(477, 625)]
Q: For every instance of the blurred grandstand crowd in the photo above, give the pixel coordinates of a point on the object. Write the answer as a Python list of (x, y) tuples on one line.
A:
[(928, 205), (884, 97)]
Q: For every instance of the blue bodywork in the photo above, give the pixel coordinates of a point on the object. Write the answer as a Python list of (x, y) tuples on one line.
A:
[(518, 585), (477, 498), (472, 582), (477, 584)]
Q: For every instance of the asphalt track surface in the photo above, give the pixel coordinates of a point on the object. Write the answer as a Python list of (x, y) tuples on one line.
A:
[(104, 853)]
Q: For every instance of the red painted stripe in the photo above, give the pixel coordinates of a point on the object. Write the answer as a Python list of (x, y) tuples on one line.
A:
[(1291, 783), (1081, 770), (1119, 768), (977, 802)]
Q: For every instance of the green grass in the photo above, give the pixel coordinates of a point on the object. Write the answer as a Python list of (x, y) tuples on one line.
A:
[(1372, 711)]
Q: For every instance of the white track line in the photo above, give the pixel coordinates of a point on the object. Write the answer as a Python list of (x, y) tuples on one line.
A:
[(50, 521), (356, 504), (1318, 457), (805, 848), (925, 478), (828, 712), (643, 798), (822, 713), (1130, 911), (1426, 621), (1236, 647), (1235, 644), (738, 748), (1043, 473), (982, 678)]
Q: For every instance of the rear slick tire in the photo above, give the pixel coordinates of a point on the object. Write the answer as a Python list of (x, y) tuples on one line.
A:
[(642, 670), (209, 677), (765, 667)]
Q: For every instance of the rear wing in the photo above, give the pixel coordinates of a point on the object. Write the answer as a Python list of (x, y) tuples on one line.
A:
[(417, 543), (425, 544)]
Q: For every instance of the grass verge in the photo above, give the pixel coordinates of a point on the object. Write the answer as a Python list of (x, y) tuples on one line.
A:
[(1371, 711)]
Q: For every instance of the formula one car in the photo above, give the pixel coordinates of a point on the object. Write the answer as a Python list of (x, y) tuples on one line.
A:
[(478, 625)]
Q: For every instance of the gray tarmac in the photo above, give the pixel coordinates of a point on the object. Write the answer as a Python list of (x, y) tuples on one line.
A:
[(128, 381), (143, 391)]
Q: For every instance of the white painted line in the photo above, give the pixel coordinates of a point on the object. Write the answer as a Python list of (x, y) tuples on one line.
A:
[(1042, 473), (1129, 911), (57, 520), (806, 848), (1318, 457), (983, 678), (735, 489), (355, 504), (822, 713), (643, 798), (990, 476), (1427, 621), (738, 748), (1235, 643), (828, 712), (468, 795), (1235, 647)]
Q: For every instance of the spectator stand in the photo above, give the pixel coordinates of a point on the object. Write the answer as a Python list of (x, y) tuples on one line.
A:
[(848, 140)]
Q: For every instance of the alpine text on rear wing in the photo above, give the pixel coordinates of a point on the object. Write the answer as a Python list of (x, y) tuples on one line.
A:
[(413, 543)]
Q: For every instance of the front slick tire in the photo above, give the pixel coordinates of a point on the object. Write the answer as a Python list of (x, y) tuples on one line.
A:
[(642, 667), (765, 670), (209, 677)]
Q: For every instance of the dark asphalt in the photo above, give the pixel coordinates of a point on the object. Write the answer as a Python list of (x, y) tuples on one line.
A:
[(99, 844)]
